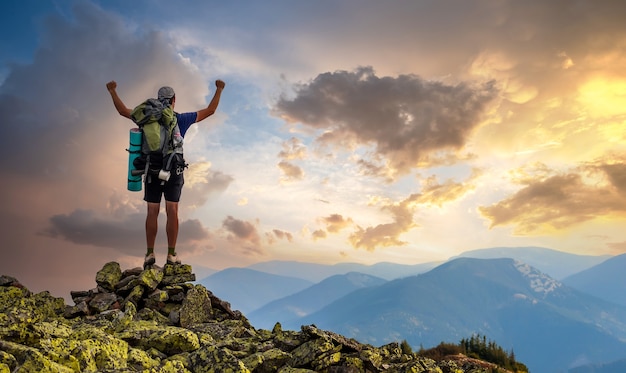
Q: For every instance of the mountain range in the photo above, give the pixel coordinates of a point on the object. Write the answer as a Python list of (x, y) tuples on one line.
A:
[(247, 289), (557, 264), (289, 309), (550, 325), (317, 272), (605, 280)]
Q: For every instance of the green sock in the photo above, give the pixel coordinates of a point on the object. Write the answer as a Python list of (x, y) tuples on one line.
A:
[(150, 250), (171, 251)]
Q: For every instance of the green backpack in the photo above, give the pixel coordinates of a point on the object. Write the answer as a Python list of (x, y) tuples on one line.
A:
[(161, 146)]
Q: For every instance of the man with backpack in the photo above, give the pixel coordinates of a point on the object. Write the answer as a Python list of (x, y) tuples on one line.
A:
[(156, 186)]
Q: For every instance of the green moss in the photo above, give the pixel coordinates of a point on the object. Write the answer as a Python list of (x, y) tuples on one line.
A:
[(308, 351), (140, 360), (171, 340), (107, 353), (266, 361), (8, 360), (211, 359), (173, 270), (30, 359), (196, 308), (109, 276), (134, 296), (60, 351)]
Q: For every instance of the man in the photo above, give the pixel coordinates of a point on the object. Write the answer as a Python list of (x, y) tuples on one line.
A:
[(171, 189)]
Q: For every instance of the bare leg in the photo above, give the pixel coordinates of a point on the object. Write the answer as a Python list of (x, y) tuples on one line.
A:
[(171, 208), (152, 223)]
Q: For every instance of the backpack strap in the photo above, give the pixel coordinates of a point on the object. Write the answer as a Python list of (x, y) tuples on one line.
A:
[(147, 169)]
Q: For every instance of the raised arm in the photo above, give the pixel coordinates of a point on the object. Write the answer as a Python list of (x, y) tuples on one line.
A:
[(210, 110), (117, 101)]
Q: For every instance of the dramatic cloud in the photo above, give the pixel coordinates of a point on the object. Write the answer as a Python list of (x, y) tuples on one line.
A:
[(409, 121), (244, 235), (125, 235), (555, 201)]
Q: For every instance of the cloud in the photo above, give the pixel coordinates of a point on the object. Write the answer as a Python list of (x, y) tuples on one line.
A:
[(319, 234), (335, 222), (243, 235), (292, 149), (554, 201), (433, 193), (437, 194), (410, 122), (85, 227), (291, 172), (201, 183), (277, 234)]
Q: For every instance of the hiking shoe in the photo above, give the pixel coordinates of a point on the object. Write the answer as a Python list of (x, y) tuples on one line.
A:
[(172, 259), (149, 260)]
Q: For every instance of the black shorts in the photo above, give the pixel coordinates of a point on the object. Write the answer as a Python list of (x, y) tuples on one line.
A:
[(171, 189)]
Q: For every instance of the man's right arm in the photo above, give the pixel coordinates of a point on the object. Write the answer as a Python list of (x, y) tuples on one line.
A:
[(117, 101)]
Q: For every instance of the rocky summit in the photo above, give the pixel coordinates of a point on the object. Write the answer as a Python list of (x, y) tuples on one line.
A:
[(158, 320)]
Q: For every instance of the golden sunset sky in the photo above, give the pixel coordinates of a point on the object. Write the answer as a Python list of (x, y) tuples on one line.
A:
[(349, 131)]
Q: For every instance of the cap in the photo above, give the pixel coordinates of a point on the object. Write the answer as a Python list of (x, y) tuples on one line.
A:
[(166, 92)]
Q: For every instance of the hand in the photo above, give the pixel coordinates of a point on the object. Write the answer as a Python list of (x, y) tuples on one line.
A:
[(220, 84), (111, 85)]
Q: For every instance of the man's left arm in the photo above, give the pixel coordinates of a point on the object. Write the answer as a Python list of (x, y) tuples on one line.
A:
[(215, 101)]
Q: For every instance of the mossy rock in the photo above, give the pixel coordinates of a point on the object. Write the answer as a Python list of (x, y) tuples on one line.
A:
[(109, 276), (210, 359)]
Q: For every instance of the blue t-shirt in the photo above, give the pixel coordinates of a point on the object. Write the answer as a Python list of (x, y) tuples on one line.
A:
[(185, 120)]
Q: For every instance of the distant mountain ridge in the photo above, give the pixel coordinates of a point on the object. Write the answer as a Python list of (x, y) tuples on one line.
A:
[(549, 325), (247, 289), (606, 280), (288, 309), (557, 264), (315, 272), (511, 303)]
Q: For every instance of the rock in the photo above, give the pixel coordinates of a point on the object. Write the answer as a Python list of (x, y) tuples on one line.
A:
[(109, 275), (155, 320), (211, 359), (103, 301), (196, 308)]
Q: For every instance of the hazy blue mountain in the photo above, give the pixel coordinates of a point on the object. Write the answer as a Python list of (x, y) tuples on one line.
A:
[(293, 307), (549, 326), (202, 272), (247, 290), (606, 280), (557, 264), (317, 272)]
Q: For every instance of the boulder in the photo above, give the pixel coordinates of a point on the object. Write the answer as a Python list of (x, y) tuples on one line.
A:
[(109, 275)]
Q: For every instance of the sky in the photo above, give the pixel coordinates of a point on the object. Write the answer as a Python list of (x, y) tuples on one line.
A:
[(406, 131)]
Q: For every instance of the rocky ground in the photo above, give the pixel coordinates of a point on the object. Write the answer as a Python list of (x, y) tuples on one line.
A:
[(157, 320)]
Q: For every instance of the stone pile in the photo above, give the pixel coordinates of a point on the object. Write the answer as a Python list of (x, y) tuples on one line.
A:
[(158, 320), (157, 294)]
